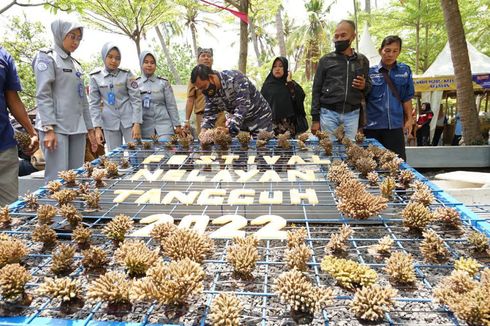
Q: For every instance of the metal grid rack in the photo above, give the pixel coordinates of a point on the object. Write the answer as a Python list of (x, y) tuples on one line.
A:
[(261, 307)]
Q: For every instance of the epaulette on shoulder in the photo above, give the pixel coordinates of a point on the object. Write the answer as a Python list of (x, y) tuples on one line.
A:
[(138, 78), (162, 78), (46, 51), (95, 71), (76, 61), (124, 70)]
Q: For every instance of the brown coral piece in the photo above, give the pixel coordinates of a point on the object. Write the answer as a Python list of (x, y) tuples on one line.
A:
[(298, 257), (89, 168), (265, 135), (400, 269), (173, 283), (348, 273), (64, 196), (13, 279), (322, 135), (416, 216), (206, 139), (222, 139), (23, 140), (162, 231), (83, 189), (185, 243), (384, 246), (339, 172), (422, 194), (294, 289), (64, 289), (148, 145), (387, 187), (185, 140), (469, 265), (372, 302), (81, 236), (361, 205), (327, 146), (69, 176), (283, 140), (111, 168), (304, 137), (71, 214), (43, 233), (478, 241), (112, 287), (131, 145), (338, 243), (92, 200), (373, 178), (296, 237), (244, 139), (12, 250), (359, 137), (45, 214), (433, 248), (365, 165), (98, 175), (136, 257), (448, 216), (124, 163), (94, 259), (62, 260), (243, 257), (405, 178), (339, 133), (31, 203), (5, 218), (468, 299), (117, 228), (225, 310), (54, 186)]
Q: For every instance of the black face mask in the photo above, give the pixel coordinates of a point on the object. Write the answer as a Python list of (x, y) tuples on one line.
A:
[(341, 46), (210, 91)]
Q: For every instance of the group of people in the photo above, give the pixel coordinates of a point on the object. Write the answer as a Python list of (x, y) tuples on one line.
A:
[(121, 106)]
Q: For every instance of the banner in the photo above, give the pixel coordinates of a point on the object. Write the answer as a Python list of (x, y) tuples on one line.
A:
[(447, 83)]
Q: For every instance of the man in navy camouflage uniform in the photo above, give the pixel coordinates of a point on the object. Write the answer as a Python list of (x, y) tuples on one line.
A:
[(233, 92)]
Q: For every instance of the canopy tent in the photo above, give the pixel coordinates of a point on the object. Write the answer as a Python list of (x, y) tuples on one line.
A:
[(367, 47), (439, 77)]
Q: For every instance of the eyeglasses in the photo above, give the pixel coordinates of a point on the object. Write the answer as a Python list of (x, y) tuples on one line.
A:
[(74, 37)]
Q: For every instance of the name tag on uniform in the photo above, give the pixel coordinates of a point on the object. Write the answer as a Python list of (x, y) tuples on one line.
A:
[(67, 70)]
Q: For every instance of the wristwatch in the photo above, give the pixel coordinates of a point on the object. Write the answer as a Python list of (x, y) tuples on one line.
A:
[(48, 128)]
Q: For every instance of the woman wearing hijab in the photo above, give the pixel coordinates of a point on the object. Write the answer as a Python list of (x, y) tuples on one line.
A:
[(63, 116), (286, 98), (160, 115), (114, 99)]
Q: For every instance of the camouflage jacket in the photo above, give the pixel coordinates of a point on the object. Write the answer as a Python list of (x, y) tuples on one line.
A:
[(247, 108)]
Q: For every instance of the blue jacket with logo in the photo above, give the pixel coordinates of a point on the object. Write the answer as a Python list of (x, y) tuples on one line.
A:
[(384, 110)]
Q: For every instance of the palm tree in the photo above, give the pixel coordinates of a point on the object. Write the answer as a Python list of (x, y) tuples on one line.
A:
[(462, 72), (313, 37)]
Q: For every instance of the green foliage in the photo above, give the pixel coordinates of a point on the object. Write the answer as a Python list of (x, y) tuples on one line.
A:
[(183, 59), (23, 46)]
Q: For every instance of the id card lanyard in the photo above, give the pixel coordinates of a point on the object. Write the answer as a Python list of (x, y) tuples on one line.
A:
[(80, 84), (111, 97)]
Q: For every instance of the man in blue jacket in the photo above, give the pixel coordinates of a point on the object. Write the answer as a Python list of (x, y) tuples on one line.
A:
[(389, 103)]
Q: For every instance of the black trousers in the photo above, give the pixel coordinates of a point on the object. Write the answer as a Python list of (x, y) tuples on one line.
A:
[(437, 136), (392, 139)]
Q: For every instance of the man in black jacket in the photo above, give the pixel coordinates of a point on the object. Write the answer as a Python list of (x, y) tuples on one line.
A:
[(340, 83)]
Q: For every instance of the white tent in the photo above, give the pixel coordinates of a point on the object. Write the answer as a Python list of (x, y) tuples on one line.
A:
[(367, 47), (443, 66)]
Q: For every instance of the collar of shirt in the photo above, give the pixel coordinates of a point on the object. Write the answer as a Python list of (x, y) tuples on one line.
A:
[(152, 78), (107, 72), (382, 67), (61, 52)]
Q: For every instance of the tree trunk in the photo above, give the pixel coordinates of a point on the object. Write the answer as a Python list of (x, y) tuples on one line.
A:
[(462, 72), (253, 36), (170, 62), (242, 57), (426, 49), (194, 39), (280, 33), (417, 41), (367, 7)]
